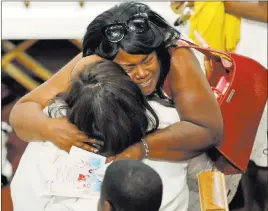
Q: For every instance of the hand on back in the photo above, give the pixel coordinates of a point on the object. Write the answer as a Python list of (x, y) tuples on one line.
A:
[(65, 135)]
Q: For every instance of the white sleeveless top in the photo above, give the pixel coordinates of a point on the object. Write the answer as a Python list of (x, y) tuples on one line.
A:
[(173, 175), (27, 183)]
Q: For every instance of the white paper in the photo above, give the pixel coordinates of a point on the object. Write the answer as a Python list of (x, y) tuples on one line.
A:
[(79, 176)]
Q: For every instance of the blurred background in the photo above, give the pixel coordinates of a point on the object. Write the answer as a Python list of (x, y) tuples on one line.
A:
[(38, 38)]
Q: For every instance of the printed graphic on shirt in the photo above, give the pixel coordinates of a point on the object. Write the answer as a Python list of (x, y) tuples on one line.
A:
[(77, 176)]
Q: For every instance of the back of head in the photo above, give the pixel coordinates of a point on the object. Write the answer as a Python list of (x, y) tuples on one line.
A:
[(106, 105), (130, 185)]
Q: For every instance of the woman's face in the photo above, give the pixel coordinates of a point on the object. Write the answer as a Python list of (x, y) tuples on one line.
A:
[(143, 69)]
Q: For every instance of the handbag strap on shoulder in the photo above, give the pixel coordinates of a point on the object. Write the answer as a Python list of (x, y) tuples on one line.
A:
[(225, 58)]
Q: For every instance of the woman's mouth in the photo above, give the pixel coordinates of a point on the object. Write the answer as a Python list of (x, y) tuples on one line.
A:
[(144, 84)]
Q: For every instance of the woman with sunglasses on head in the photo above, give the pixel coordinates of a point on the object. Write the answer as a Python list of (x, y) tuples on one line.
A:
[(139, 40)]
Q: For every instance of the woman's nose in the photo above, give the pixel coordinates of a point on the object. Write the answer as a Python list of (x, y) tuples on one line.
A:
[(141, 73)]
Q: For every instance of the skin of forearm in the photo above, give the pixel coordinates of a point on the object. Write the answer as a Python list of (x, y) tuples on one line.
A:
[(249, 10), (173, 155), (183, 140), (25, 124), (27, 117)]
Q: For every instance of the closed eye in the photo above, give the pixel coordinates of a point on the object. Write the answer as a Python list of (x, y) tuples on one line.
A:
[(149, 60), (128, 68)]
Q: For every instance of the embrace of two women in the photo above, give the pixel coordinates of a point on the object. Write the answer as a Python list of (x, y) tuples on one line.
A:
[(110, 100)]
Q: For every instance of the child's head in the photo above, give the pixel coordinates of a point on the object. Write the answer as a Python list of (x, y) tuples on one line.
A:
[(130, 185), (106, 105)]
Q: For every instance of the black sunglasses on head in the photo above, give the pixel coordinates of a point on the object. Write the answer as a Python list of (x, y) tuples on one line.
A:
[(138, 24)]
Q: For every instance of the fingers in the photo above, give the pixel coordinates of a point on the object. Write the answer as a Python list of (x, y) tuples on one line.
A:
[(95, 141), (80, 137), (83, 142), (202, 42), (86, 147), (69, 135), (226, 63), (208, 67)]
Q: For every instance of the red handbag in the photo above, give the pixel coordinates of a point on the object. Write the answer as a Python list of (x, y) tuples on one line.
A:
[(241, 91)]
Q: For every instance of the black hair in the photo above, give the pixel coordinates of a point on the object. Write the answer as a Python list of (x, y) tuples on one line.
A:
[(159, 34), (107, 105), (130, 185)]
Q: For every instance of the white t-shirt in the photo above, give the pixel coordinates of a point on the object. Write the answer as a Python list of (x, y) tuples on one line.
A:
[(26, 186)]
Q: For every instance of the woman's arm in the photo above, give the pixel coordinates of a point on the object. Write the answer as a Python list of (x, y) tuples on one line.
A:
[(29, 121), (27, 117), (201, 124), (250, 10)]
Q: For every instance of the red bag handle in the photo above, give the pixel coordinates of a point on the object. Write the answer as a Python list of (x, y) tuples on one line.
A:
[(210, 53)]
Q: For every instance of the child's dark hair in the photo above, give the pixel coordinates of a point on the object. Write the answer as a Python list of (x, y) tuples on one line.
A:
[(106, 105), (130, 185)]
